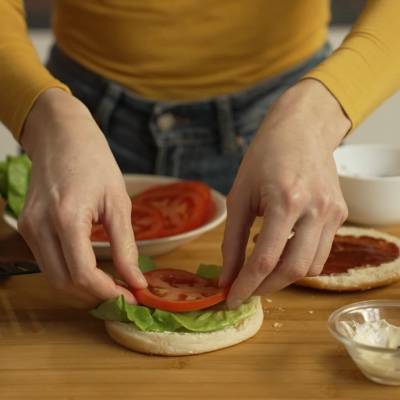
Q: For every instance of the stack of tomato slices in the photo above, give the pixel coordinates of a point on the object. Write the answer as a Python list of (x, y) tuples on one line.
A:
[(167, 210), (177, 290)]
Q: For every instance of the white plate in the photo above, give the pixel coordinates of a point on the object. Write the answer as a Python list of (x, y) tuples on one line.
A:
[(155, 247)]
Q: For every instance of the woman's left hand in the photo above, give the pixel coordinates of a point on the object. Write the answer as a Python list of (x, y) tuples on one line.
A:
[(288, 176)]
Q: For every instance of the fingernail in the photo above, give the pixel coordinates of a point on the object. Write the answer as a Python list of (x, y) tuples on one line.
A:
[(129, 298), (141, 281)]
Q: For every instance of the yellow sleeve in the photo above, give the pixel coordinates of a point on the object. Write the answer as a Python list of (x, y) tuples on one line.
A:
[(22, 76), (365, 69)]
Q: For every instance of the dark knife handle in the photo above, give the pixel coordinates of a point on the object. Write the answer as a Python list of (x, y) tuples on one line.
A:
[(10, 268)]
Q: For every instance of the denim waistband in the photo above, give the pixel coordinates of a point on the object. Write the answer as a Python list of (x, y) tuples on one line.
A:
[(238, 99), (218, 111)]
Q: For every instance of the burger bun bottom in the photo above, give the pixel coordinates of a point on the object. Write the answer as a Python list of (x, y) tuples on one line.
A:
[(184, 343)]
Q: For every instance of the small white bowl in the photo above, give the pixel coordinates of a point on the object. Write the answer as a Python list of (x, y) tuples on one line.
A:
[(136, 184), (369, 175)]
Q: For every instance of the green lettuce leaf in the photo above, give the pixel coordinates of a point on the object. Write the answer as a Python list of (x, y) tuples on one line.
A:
[(18, 174), (3, 179), (14, 181), (146, 263), (209, 271), (153, 320)]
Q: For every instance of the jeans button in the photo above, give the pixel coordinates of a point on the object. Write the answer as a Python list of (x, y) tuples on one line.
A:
[(241, 142), (165, 122)]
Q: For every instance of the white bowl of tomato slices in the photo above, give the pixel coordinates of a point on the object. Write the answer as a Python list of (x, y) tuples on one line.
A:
[(166, 213)]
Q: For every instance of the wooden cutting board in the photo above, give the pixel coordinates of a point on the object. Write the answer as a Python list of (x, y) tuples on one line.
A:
[(50, 348)]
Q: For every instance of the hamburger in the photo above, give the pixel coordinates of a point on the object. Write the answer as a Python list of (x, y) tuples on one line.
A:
[(180, 313)]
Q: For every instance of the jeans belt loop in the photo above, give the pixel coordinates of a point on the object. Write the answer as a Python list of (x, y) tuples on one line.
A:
[(107, 104), (225, 122)]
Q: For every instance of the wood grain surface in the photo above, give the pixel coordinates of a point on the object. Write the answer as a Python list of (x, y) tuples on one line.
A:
[(50, 348)]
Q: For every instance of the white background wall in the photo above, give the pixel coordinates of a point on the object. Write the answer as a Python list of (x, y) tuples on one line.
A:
[(383, 125)]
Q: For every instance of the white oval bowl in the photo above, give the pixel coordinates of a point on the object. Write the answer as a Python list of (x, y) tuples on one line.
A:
[(136, 183), (369, 176)]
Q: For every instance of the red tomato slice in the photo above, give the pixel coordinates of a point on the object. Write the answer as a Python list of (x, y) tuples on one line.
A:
[(147, 223), (183, 205), (179, 291), (183, 186), (99, 234), (167, 210)]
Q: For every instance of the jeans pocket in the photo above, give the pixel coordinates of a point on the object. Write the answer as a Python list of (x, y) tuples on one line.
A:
[(70, 73), (255, 102), (129, 137), (249, 119)]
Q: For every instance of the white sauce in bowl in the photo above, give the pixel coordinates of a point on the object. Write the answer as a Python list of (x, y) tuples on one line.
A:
[(380, 366), (378, 333)]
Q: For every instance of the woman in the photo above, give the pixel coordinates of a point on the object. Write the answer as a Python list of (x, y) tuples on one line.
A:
[(182, 88)]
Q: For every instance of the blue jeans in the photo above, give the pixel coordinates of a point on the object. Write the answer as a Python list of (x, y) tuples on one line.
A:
[(203, 140)]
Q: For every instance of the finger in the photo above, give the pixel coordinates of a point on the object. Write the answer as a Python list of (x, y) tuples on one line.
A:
[(297, 257), (324, 248), (51, 263), (117, 221), (256, 236), (271, 241), (236, 235), (74, 237), (55, 268)]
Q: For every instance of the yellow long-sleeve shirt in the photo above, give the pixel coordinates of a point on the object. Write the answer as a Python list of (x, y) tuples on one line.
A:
[(190, 49)]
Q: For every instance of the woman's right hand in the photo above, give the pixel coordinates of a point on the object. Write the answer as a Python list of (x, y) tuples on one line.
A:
[(75, 181)]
